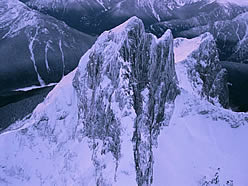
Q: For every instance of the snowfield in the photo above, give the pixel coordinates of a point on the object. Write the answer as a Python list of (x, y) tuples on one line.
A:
[(200, 146)]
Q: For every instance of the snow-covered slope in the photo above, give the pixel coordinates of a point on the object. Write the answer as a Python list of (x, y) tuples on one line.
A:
[(203, 145), (113, 121)]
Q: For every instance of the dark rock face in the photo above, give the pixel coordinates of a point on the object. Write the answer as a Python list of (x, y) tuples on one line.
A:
[(36, 49), (129, 74), (238, 85)]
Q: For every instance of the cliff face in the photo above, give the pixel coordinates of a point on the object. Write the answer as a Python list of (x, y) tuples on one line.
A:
[(136, 80), (200, 59)]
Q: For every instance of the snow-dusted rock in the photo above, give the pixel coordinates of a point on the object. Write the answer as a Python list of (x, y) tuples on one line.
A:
[(198, 66), (134, 82)]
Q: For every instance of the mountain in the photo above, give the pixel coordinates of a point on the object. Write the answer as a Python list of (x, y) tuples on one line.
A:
[(124, 116), (227, 23), (36, 49), (96, 16), (186, 18)]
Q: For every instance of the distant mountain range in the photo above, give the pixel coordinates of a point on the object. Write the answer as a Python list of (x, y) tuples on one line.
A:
[(36, 49)]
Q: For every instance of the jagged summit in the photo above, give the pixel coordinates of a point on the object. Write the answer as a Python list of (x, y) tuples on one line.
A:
[(134, 82), (199, 57)]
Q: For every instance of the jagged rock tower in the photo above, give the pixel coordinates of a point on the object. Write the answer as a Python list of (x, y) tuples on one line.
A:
[(129, 74)]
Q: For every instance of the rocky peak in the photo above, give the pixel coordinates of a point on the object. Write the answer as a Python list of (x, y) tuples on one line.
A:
[(129, 74), (200, 61)]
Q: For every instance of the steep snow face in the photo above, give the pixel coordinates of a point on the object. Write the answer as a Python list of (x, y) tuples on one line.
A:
[(199, 70), (184, 47), (38, 49)]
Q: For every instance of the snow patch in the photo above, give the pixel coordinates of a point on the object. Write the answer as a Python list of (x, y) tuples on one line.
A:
[(184, 47), (31, 49)]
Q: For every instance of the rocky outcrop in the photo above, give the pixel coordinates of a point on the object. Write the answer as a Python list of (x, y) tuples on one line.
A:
[(202, 67), (136, 80), (36, 49)]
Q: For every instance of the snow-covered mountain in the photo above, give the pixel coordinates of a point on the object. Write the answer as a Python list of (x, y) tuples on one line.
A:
[(96, 16), (128, 115), (36, 49), (227, 23)]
